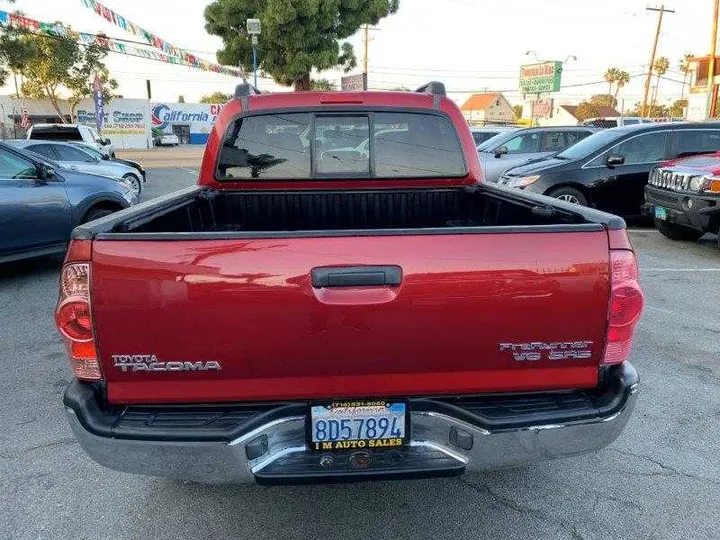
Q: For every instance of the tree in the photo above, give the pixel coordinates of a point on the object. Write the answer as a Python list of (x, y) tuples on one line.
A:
[(622, 79), (652, 111), (603, 100), (181, 99), (323, 85), (677, 109), (660, 68), (297, 37), (685, 70), (216, 97), (517, 111), (60, 65), (15, 53), (611, 77), (586, 110)]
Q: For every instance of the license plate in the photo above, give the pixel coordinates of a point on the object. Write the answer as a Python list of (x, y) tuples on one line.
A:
[(660, 212), (357, 424)]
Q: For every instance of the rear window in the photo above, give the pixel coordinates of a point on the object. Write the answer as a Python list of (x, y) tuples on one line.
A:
[(56, 134), (340, 145)]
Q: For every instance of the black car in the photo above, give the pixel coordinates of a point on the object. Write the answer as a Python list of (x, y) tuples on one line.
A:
[(609, 169)]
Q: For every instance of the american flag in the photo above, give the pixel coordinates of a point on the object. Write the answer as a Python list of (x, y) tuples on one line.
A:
[(24, 118)]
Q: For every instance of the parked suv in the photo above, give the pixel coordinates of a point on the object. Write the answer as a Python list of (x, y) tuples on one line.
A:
[(507, 150), (683, 196), (609, 170), (72, 132)]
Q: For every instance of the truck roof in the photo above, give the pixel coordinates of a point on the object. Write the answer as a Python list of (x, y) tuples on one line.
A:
[(248, 102)]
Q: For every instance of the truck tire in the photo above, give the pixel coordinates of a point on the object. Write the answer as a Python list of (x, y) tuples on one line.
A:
[(97, 213), (571, 195), (677, 232)]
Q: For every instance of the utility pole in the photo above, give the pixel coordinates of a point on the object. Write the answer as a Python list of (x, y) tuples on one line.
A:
[(661, 11), (712, 97), (366, 40)]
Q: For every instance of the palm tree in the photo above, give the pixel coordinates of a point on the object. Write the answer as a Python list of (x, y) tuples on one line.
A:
[(660, 68), (623, 78), (685, 70), (611, 77)]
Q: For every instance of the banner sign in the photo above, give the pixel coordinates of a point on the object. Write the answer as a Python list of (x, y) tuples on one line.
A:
[(37, 27), (540, 78), (184, 57), (542, 108), (354, 83)]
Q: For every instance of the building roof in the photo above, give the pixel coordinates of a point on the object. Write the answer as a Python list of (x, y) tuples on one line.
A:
[(603, 111), (480, 102)]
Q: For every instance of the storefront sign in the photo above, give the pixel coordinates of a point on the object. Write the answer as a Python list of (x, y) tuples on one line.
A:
[(540, 78)]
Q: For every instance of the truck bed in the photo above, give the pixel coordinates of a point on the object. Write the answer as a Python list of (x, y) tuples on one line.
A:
[(430, 211)]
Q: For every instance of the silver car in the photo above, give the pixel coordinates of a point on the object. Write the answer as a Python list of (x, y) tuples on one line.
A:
[(482, 134), (77, 159), (507, 150)]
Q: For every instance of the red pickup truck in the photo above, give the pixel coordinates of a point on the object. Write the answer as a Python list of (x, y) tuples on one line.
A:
[(342, 297)]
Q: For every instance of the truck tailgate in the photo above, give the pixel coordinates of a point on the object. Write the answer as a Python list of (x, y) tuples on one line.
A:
[(240, 320)]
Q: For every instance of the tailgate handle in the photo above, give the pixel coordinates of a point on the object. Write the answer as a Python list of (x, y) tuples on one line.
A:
[(356, 276)]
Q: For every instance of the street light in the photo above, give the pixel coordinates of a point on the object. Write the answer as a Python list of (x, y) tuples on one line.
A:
[(253, 28)]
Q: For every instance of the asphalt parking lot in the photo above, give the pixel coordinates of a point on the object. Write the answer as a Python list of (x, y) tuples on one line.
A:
[(660, 480)]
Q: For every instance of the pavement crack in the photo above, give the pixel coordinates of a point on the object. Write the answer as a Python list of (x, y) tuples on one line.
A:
[(49, 444), (666, 470), (521, 508)]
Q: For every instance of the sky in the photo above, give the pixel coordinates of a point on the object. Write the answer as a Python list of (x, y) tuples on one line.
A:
[(470, 45)]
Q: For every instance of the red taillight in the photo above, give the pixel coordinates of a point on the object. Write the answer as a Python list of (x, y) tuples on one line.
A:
[(626, 303), (73, 317)]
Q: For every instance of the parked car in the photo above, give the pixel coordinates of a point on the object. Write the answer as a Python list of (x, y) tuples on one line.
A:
[(41, 202), (513, 148), (166, 139), (301, 316), (78, 159), (99, 155), (683, 197), (613, 121), (609, 170), (71, 132), (482, 134)]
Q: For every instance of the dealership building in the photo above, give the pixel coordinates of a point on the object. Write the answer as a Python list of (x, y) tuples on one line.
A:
[(129, 123)]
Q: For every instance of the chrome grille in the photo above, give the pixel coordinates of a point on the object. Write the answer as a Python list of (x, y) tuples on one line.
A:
[(669, 179)]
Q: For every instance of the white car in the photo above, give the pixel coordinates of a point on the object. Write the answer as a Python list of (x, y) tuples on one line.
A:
[(75, 158), (71, 132), (166, 139)]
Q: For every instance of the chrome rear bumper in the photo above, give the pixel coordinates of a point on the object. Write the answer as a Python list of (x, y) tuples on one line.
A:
[(440, 444)]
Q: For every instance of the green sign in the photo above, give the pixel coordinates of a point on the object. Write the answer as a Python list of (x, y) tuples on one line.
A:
[(540, 78)]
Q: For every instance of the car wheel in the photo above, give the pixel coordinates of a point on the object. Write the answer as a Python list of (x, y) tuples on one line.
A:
[(677, 232), (570, 195), (134, 182), (98, 213)]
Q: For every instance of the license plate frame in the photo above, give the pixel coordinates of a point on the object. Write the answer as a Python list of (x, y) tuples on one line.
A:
[(661, 212), (402, 410)]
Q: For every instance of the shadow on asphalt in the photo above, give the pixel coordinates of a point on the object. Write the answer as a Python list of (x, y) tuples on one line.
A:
[(40, 267)]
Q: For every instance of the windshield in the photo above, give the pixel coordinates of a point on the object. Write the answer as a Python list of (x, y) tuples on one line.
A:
[(589, 145), (496, 141), (90, 150)]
